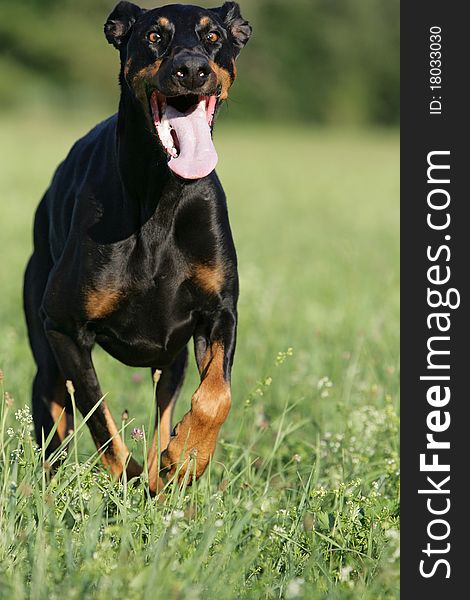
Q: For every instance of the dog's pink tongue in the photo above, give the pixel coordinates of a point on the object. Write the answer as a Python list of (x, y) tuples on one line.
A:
[(197, 155)]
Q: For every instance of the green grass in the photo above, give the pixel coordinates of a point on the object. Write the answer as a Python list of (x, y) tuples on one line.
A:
[(302, 498)]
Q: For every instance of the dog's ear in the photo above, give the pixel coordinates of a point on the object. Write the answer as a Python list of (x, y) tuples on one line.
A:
[(120, 21), (239, 29)]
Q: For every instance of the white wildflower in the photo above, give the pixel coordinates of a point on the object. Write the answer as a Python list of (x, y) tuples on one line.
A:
[(324, 382), (15, 454), (279, 529), (24, 416), (393, 534), (345, 573), (294, 589), (265, 505)]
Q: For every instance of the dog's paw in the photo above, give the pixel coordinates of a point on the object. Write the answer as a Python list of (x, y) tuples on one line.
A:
[(190, 449)]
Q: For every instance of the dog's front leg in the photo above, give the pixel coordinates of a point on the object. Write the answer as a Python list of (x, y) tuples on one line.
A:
[(73, 355), (195, 436)]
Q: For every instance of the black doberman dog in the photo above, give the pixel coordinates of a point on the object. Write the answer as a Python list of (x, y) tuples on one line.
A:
[(132, 244)]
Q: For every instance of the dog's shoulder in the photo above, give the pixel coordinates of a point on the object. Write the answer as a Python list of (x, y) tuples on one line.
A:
[(95, 146), (88, 166)]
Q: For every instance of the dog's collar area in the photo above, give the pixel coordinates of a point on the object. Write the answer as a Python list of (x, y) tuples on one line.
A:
[(184, 128)]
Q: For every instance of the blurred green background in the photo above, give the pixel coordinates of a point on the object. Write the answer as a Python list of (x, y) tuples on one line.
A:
[(322, 61)]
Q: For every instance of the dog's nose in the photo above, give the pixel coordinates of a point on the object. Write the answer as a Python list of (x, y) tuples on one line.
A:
[(191, 71)]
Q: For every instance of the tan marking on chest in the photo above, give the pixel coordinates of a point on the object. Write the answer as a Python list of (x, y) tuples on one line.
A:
[(101, 303), (209, 277)]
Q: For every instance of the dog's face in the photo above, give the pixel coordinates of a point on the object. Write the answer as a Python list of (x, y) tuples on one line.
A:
[(179, 63)]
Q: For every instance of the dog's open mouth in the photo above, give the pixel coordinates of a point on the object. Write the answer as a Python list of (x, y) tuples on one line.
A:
[(183, 124)]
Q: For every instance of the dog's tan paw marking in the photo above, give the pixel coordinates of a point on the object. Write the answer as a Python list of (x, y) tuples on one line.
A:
[(191, 448)]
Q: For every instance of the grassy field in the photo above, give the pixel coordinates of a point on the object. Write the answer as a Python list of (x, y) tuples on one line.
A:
[(302, 498)]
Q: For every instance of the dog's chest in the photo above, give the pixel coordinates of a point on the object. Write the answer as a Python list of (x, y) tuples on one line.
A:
[(145, 302), (146, 320), (146, 327)]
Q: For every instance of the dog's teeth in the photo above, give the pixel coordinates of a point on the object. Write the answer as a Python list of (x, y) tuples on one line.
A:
[(164, 133)]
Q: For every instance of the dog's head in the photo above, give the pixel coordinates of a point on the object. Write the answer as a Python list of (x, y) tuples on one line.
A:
[(178, 61)]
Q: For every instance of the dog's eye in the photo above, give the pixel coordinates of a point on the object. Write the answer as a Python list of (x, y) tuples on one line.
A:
[(213, 37), (154, 37)]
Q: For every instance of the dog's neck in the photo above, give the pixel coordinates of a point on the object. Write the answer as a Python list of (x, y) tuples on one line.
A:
[(143, 164)]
